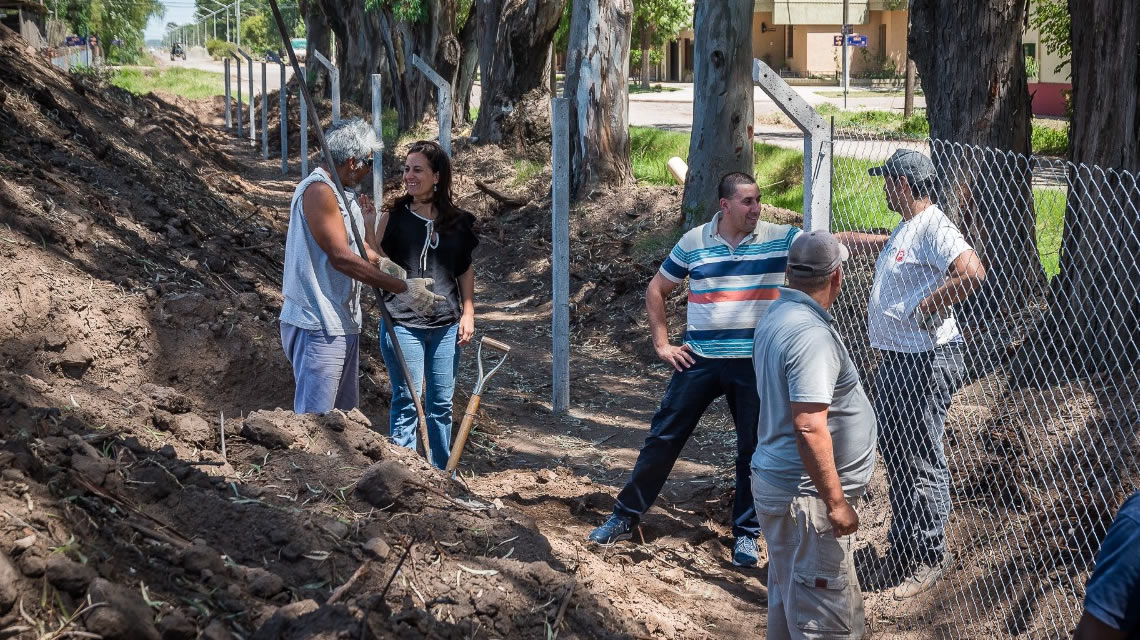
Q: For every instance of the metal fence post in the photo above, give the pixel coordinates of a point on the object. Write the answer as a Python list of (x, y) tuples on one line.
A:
[(265, 115), (560, 260), (377, 156), (817, 144), (252, 126), (334, 79), (304, 124), (239, 105), (284, 125), (229, 116), (443, 104)]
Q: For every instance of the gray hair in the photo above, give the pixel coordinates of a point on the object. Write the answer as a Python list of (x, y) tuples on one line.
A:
[(351, 138)]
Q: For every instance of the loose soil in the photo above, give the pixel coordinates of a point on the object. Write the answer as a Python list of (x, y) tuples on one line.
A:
[(152, 487)]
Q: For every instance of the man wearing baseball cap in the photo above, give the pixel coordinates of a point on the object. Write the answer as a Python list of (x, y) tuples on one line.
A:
[(815, 450), (924, 268)]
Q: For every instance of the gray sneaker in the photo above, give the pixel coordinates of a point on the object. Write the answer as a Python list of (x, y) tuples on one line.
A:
[(921, 579)]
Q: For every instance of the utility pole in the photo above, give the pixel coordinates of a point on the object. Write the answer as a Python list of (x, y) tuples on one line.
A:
[(237, 20), (846, 34)]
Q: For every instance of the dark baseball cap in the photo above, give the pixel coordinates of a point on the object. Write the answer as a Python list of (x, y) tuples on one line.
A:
[(907, 163), (816, 253)]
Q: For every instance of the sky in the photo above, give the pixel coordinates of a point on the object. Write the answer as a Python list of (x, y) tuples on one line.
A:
[(180, 11)]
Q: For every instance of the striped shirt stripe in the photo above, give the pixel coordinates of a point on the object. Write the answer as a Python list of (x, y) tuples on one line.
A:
[(729, 289)]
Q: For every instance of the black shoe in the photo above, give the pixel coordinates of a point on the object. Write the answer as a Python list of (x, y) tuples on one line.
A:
[(889, 571), (615, 529)]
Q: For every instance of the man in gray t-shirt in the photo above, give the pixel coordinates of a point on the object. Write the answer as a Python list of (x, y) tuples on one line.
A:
[(815, 450)]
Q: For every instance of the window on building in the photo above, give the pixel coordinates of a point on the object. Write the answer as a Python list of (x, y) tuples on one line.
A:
[(791, 51), (1029, 49)]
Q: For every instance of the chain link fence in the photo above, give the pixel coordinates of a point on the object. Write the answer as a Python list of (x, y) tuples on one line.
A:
[(1041, 434)]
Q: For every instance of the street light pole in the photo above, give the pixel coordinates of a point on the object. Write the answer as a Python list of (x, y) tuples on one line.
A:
[(237, 20)]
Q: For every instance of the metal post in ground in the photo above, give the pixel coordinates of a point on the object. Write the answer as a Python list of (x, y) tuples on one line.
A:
[(284, 125), (334, 80), (443, 104), (304, 122), (560, 260), (265, 115), (817, 144), (249, 60), (229, 116), (378, 156), (239, 105)]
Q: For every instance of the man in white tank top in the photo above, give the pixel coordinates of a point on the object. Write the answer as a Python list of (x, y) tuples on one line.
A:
[(324, 272)]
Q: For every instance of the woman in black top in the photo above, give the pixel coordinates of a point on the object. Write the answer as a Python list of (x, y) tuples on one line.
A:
[(429, 237)]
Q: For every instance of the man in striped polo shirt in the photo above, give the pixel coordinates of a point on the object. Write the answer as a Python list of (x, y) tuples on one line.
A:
[(734, 263)]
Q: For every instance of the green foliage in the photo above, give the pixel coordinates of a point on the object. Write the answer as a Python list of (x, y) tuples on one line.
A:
[(257, 36), (190, 83), (1052, 19), (1032, 67), (110, 20), (655, 57), (562, 34), (656, 22), (1050, 141), (403, 10), (218, 48)]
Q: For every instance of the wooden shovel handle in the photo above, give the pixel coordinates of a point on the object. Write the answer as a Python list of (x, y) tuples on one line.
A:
[(464, 431)]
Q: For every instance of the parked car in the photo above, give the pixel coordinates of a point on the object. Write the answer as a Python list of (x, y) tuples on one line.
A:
[(177, 51), (272, 56)]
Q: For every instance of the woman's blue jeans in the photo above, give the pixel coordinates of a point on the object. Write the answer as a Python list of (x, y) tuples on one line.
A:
[(431, 355)]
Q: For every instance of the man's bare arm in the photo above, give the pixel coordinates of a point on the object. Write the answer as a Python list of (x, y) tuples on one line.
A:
[(322, 214), (862, 244), (813, 441), (680, 358)]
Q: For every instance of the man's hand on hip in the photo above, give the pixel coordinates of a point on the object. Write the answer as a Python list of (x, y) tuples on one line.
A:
[(419, 297), (844, 520), (680, 358)]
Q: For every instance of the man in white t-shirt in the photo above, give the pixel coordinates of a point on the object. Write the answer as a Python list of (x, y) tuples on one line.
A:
[(924, 268)]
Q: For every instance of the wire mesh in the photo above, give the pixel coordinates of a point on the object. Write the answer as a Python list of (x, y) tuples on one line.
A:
[(1039, 441)]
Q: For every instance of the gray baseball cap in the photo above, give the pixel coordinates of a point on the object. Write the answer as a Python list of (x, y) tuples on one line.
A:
[(907, 163), (816, 253)]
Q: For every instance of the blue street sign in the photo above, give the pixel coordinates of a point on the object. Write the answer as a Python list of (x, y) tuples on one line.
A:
[(857, 41), (75, 41)]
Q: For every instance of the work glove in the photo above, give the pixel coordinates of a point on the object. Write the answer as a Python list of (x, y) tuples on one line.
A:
[(391, 268), (930, 320), (419, 298)]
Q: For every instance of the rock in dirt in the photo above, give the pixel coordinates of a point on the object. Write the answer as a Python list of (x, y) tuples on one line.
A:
[(189, 427), (67, 575), (334, 420), (217, 630), (93, 470), (377, 548), (124, 615), (269, 431), (187, 308), (265, 585), (166, 398), (390, 482), (32, 563), (279, 622), (75, 360), (199, 557), (8, 589), (176, 626), (356, 416)]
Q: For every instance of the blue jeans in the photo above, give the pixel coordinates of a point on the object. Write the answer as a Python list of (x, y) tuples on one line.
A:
[(431, 355), (912, 396), (326, 368), (689, 394)]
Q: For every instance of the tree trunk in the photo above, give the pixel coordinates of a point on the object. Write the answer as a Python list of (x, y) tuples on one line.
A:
[(514, 43), (977, 97), (722, 107), (360, 50), (1094, 323), (318, 38), (468, 63), (646, 43), (596, 83)]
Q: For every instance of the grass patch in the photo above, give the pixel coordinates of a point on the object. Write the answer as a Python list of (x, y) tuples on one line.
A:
[(474, 114), (1050, 141), (653, 88), (857, 202), (867, 93), (188, 83), (525, 170)]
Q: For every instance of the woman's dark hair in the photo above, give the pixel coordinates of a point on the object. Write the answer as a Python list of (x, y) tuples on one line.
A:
[(448, 215)]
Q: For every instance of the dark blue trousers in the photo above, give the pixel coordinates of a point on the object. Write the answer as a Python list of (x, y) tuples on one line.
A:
[(689, 394)]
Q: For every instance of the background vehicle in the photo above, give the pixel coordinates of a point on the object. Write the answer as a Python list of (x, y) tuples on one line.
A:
[(299, 46), (177, 51)]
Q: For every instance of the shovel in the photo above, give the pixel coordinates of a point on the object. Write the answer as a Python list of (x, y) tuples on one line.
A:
[(473, 403)]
